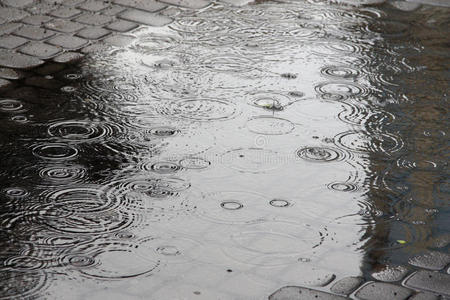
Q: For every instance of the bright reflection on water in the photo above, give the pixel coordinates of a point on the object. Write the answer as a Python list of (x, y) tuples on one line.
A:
[(233, 152)]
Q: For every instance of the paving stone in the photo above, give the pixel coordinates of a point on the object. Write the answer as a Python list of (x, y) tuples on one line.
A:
[(12, 14), (424, 296), (40, 8), (11, 74), (9, 27), (34, 32), (42, 82), (238, 2), (65, 12), (382, 291), (122, 26), (65, 26), (119, 40), (11, 41), (18, 61), (72, 2), (37, 20), (5, 84), (430, 281), (146, 18), (41, 50), (346, 286), (195, 4), (322, 280), (94, 19), (431, 260), (301, 293), (68, 42), (390, 273), (93, 33), (94, 5), (113, 10), (98, 47), (17, 3), (149, 5), (68, 57), (440, 241)]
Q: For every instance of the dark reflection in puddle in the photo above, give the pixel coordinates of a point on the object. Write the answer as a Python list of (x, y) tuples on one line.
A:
[(269, 140)]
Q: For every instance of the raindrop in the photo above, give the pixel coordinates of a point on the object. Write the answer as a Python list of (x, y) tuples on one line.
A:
[(195, 163), (321, 154), (55, 151), (10, 105)]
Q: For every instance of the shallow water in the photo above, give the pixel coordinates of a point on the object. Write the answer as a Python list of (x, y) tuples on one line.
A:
[(228, 154)]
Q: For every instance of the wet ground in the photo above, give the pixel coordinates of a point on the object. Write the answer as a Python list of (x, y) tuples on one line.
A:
[(230, 153)]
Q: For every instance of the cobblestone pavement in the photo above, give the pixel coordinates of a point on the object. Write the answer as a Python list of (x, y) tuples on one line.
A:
[(33, 32)]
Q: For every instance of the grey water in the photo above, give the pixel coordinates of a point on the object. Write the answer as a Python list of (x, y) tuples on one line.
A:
[(230, 153)]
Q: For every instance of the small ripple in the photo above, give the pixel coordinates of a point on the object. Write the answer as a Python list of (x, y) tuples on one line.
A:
[(343, 186), (55, 151), (199, 109), (15, 192), (322, 154), (24, 263), (270, 125), (340, 72), (252, 160), (163, 167), (228, 64), (81, 130), (269, 100), (11, 106), (341, 90), (171, 249), (63, 174), (364, 142), (155, 43), (195, 163), (73, 76), (196, 25), (336, 49), (273, 243)]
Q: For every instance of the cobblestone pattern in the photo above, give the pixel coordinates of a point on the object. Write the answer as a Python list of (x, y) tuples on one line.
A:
[(427, 277), (35, 31)]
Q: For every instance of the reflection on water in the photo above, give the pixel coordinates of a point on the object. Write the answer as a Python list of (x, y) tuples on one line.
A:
[(232, 152)]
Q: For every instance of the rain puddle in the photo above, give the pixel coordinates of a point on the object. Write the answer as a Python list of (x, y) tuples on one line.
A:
[(235, 151)]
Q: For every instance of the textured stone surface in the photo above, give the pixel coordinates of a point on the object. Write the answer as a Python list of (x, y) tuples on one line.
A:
[(68, 57), (424, 296), (321, 280), (17, 3), (301, 293), (9, 27), (122, 26), (65, 12), (64, 26), (12, 14), (7, 73), (68, 42), (149, 5), (382, 291), (188, 3), (146, 18), (113, 10), (11, 42), (4, 83), (94, 19), (94, 5), (347, 285), (40, 50), (18, 61), (37, 20), (432, 260), (390, 273), (430, 281), (93, 33), (34, 32)]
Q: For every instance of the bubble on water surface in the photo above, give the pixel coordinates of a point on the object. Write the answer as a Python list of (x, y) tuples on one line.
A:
[(279, 203), (233, 207), (321, 154), (55, 151), (73, 76), (270, 125)]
